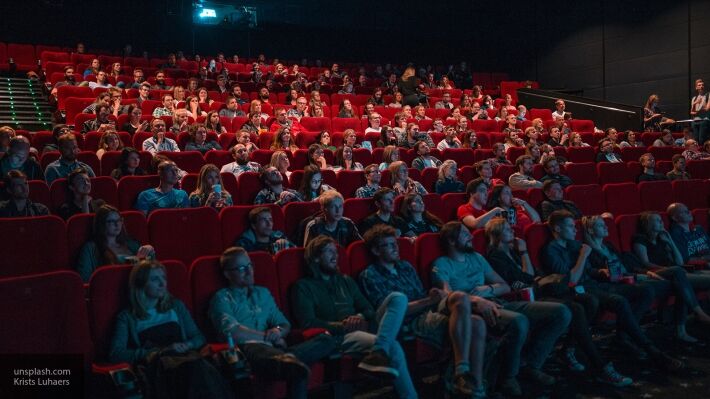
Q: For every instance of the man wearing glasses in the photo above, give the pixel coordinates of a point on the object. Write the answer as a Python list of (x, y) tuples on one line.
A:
[(248, 315), (301, 109), (373, 176), (159, 142)]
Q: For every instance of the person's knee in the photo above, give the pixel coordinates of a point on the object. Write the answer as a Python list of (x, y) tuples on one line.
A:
[(563, 314), (397, 300), (459, 301), (519, 326), (619, 303)]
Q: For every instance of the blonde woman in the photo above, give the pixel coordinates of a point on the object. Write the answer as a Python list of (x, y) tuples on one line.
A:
[(110, 141), (210, 189), (447, 181)]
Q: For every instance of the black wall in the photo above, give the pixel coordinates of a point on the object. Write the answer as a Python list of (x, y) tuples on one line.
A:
[(625, 51), (620, 51)]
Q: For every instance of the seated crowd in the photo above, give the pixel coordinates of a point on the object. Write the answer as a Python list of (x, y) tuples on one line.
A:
[(472, 296)]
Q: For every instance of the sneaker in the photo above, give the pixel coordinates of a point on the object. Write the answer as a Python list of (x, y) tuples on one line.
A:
[(378, 363), (571, 361), (462, 384), (479, 393), (610, 376), (538, 376), (291, 367), (510, 387)]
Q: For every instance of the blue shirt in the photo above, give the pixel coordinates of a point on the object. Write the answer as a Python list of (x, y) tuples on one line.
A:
[(461, 276), (61, 168), (232, 307), (152, 199)]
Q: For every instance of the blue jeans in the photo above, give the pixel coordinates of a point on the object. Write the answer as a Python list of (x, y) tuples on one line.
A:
[(390, 315), (701, 130), (544, 321)]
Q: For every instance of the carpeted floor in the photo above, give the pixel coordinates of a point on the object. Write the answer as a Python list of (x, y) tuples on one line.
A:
[(649, 382)]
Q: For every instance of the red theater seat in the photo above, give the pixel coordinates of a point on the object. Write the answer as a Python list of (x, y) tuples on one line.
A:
[(588, 198), (693, 193), (613, 173), (655, 195), (622, 198), (44, 314), (426, 250), (173, 233), (34, 245), (582, 173), (129, 187), (358, 209)]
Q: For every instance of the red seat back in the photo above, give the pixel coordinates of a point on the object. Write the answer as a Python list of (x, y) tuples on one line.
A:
[(655, 195), (693, 193), (44, 314), (622, 198), (129, 187), (426, 250), (613, 173), (35, 245), (536, 236), (582, 173), (358, 209), (173, 233)]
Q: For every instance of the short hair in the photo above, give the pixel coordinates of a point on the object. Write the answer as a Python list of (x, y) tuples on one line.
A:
[(548, 160), (381, 192), (68, 67), (374, 236), (315, 247), (230, 98), (371, 167), (164, 164), (676, 158), (162, 98), (328, 197), (646, 155), (472, 186), (548, 184), (449, 232), (644, 222), (230, 254), (144, 84), (99, 107), (255, 212), (441, 174), (19, 140), (479, 165), (521, 160), (557, 217)]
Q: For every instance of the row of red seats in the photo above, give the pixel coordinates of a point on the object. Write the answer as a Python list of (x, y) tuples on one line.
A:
[(62, 241)]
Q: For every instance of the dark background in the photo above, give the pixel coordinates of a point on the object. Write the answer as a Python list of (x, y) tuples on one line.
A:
[(620, 51)]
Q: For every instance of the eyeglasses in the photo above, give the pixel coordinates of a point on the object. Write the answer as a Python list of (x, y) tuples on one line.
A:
[(241, 269)]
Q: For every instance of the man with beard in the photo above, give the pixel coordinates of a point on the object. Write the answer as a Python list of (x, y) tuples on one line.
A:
[(274, 191), (261, 236), (69, 80), (248, 315), (464, 270), (138, 78), (241, 162), (523, 179), (159, 143), (67, 163), (328, 299), (19, 204), (160, 83), (102, 113), (434, 315), (264, 95), (165, 195)]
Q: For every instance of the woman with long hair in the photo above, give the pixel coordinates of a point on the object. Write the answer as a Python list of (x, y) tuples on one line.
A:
[(316, 157), (192, 104), (128, 164), (109, 244), (407, 85), (312, 185), (157, 331), (653, 119), (109, 141), (389, 155), (419, 220), (213, 123), (280, 161), (447, 181), (401, 182), (210, 189), (344, 160), (283, 140), (134, 125)]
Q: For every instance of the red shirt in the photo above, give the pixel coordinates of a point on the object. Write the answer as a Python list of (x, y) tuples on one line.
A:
[(468, 210)]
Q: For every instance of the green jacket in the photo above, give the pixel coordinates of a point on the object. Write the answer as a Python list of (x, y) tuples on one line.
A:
[(323, 303)]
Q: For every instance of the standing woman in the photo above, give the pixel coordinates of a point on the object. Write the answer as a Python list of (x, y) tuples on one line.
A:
[(210, 189), (156, 330), (407, 85), (653, 119)]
